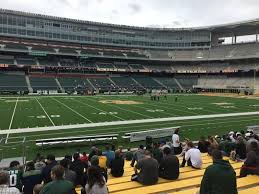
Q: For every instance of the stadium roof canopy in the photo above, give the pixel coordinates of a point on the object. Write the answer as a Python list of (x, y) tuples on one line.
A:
[(237, 28)]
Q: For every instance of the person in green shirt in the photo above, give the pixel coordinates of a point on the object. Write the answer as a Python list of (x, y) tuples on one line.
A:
[(16, 172), (58, 185), (220, 177)]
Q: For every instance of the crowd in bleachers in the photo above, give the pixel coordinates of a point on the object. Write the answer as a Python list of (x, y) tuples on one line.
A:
[(88, 173)]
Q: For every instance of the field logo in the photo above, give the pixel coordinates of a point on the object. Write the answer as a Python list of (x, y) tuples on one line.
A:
[(120, 102)]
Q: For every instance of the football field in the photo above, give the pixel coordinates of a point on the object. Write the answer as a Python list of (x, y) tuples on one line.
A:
[(42, 117)]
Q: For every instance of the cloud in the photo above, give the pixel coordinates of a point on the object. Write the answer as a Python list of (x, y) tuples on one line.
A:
[(135, 8), (160, 13)]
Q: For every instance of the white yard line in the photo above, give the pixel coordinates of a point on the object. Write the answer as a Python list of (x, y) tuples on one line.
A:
[(45, 112), (113, 123), (74, 111), (98, 109), (11, 122)]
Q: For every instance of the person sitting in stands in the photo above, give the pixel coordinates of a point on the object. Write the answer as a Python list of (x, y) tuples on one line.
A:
[(78, 167), (213, 144), (103, 161), (4, 184), (157, 154), (95, 162), (69, 175), (84, 159), (129, 155), (169, 165), (96, 183), (58, 185), (203, 145), (138, 155), (117, 165), (251, 138), (109, 154), (51, 162), (220, 177), (176, 142), (15, 171), (40, 163), (240, 148), (148, 170), (30, 178), (249, 166), (193, 156)]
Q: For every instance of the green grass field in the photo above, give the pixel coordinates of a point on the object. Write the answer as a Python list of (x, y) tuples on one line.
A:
[(33, 112)]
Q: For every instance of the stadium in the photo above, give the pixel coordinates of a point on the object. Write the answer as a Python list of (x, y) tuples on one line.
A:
[(67, 83)]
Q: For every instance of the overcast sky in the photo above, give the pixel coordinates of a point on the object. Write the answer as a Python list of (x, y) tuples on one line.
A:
[(154, 13)]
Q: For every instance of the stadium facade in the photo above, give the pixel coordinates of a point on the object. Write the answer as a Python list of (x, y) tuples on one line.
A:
[(43, 53)]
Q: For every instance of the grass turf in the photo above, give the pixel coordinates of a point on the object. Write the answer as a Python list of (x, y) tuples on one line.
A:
[(49, 111)]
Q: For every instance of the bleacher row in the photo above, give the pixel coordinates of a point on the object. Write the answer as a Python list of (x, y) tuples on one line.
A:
[(127, 67), (188, 182), (234, 51), (18, 82)]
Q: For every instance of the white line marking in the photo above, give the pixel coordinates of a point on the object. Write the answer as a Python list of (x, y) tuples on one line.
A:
[(113, 123), (11, 122), (98, 109), (72, 110), (45, 112)]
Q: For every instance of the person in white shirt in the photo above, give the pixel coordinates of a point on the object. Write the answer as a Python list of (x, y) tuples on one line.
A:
[(193, 156), (176, 142), (4, 185)]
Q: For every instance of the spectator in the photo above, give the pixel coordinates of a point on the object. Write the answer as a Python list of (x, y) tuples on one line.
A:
[(138, 155), (213, 144), (4, 184), (240, 148), (37, 189), (169, 165), (249, 166), (219, 177), (176, 142), (95, 162), (193, 156), (68, 174), (51, 162), (117, 165), (203, 145), (109, 154), (226, 145), (96, 182), (251, 138), (185, 149), (58, 185), (93, 152), (15, 172), (129, 155), (30, 178), (78, 167), (148, 170), (40, 164), (157, 154), (103, 161), (84, 158)]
